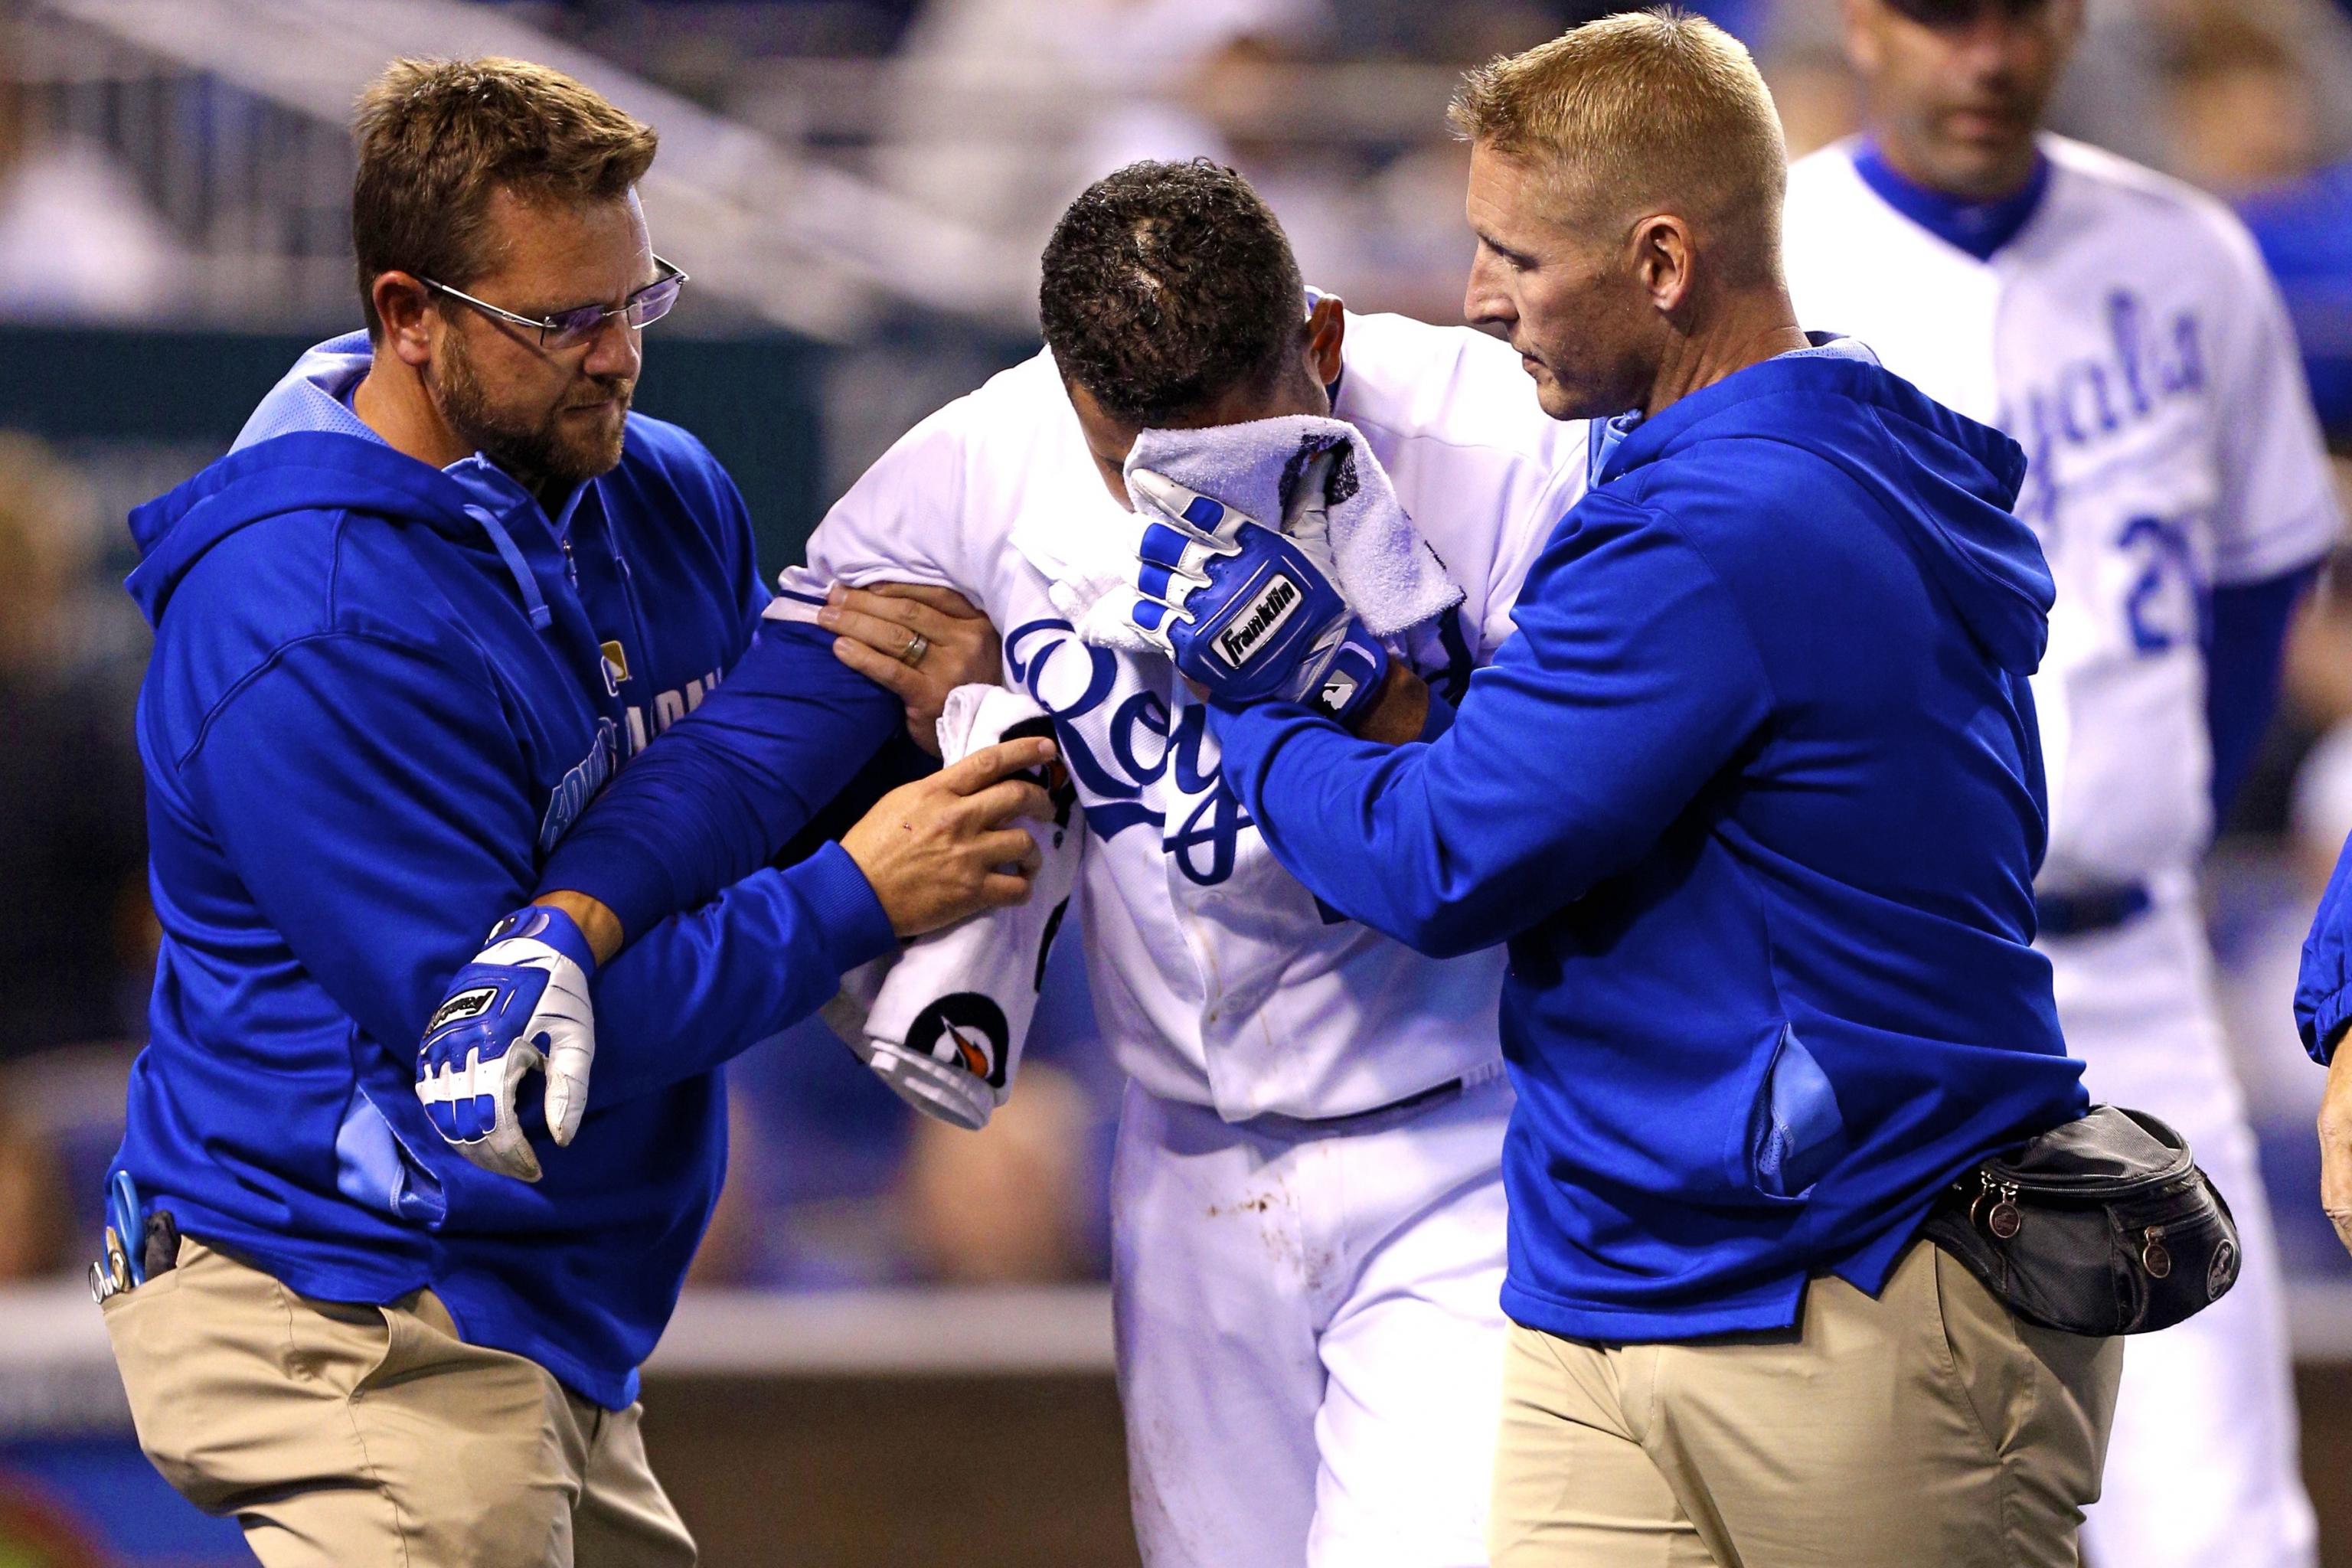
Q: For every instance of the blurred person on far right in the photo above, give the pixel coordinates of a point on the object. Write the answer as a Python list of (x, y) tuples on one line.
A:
[(2120, 325), (2249, 124)]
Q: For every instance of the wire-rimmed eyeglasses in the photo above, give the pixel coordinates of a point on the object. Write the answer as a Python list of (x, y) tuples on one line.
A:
[(570, 329)]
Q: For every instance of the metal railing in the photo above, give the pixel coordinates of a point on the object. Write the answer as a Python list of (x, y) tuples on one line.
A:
[(232, 116)]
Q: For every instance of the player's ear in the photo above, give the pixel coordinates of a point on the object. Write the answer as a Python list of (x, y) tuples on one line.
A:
[(1863, 50), (400, 304), (1327, 324)]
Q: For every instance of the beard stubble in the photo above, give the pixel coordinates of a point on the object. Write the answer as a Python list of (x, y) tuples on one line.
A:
[(536, 449)]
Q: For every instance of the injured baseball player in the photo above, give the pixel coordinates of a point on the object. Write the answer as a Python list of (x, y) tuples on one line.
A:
[(1307, 1207)]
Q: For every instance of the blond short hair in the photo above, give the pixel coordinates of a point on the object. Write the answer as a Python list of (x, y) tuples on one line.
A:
[(438, 138), (1656, 111)]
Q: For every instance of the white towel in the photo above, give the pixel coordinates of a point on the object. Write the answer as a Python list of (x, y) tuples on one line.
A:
[(1384, 569), (1380, 565), (942, 1021), (1089, 564)]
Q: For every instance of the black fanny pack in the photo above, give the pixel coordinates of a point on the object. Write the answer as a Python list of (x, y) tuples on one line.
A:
[(2103, 1227)]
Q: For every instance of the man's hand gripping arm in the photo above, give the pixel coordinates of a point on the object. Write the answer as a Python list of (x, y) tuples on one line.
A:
[(696, 805)]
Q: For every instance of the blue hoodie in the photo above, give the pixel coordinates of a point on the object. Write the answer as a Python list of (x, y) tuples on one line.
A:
[(380, 692), (1755, 795), (2323, 991)]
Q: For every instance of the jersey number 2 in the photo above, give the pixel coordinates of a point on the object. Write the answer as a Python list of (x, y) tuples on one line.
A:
[(2164, 595)]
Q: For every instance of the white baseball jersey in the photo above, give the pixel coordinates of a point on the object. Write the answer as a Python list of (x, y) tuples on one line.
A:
[(2130, 340), (1218, 978)]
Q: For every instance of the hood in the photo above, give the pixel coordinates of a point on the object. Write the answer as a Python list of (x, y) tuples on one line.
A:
[(1944, 480), (313, 471), (303, 450), (311, 395)]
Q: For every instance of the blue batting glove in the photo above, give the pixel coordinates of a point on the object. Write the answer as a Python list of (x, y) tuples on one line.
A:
[(521, 1006), (1244, 610)]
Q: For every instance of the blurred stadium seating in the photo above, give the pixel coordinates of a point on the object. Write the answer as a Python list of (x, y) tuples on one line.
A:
[(883, 1348)]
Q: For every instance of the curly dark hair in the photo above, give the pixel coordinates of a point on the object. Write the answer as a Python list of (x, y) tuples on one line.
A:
[(1168, 285)]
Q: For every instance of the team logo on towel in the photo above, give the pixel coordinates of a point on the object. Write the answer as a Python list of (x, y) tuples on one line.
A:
[(964, 1029), (1276, 603), (1340, 482)]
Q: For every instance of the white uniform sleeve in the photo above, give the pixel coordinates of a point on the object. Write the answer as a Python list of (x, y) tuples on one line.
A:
[(2277, 510), (903, 520), (1525, 536)]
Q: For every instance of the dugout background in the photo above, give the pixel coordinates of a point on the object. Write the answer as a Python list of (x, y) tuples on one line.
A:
[(897, 1350)]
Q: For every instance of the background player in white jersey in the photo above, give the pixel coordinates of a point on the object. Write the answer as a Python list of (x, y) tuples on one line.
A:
[(2120, 326), (1307, 1209)]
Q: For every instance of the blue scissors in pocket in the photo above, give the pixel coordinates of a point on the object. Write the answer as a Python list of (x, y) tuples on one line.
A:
[(125, 1218)]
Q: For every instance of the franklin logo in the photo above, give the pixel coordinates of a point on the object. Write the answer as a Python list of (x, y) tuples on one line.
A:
[(465, 1004), (1276, 603)]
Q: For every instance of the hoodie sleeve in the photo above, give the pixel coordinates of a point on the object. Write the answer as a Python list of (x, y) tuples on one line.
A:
[(1631, 681), (707, 984), (2323, 991), (375, 805), (720, 501), (732, 783), (728, 785)]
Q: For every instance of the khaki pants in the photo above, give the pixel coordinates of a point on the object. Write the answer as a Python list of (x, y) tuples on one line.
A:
[(360, 1435), (1926, 1427)]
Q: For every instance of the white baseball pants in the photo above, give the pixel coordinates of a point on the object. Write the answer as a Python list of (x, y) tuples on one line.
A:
[(1310, 1347), (2204, 1466)]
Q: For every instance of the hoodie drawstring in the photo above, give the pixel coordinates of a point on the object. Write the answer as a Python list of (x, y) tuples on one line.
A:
[(542, 618), (628, 582)]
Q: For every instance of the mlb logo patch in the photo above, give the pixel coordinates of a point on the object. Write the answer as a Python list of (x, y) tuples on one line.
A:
[(1337, 691), (1255, 626)]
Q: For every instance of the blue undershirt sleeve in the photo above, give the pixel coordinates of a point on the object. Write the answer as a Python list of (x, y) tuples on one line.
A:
[(723, 789), (2246, 628), (1631, 681)]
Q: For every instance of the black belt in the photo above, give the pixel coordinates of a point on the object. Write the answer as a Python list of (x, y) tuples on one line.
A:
[(1275, 1121), (2085, 912)]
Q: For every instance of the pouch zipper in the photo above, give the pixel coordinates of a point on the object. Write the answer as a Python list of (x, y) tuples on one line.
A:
[(2096, 1191), (2003, 1219)]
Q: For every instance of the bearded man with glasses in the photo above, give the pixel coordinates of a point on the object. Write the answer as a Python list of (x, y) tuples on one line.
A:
[(536, 439), (443, 585)]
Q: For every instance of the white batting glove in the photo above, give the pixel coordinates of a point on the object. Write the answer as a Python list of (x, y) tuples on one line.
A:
[(520, 1006)]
